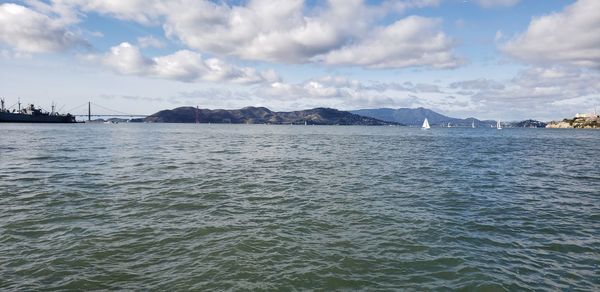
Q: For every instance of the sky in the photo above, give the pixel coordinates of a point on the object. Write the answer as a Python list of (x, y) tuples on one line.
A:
[(490, 59)]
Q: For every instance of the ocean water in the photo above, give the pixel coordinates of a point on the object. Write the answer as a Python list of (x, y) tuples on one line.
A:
[(257, 207)]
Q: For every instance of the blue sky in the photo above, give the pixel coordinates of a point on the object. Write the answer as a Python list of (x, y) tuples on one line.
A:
[(497, 59)]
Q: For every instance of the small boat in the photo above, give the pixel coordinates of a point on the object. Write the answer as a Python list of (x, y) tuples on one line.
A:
[(425, 125), (498, 125), (473, 124)]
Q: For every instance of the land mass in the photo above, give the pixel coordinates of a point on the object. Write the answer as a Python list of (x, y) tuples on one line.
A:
[(324, 116), (262, 115), (416, 116), (585, 121), (526, 124)]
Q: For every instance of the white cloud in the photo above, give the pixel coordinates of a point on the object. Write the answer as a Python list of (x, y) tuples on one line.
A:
[(150, 42), (263, 31), (309, 89), (559, 83), (477, 84), (290, 32), (536, 92), (405, 86), (341, 92), (127, 59), (12, 55), (568, 37), (62, 14), (266, 30), (496, 3), (26, 30), (499, 36), (96, 34), (410, 42), (142, 11), (184, 65)]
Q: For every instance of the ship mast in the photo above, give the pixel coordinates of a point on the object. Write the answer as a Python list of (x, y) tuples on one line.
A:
[(2, 105)]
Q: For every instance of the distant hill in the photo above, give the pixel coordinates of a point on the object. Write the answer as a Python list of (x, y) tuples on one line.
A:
[(262, 115), (527, 124), (578, 122), (415, 117)]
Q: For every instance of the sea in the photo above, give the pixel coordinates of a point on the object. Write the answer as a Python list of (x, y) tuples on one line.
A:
[(280, 207)]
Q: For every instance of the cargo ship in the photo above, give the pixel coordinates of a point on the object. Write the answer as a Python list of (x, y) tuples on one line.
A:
[(31, 114)]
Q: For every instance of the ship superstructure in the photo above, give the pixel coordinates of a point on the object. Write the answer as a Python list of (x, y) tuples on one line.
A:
[(32, 114)]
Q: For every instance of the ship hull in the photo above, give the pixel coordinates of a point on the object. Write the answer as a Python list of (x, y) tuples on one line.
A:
[(21, 118)]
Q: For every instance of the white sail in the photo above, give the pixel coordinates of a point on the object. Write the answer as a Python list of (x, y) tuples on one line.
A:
[(498, 125), (426, 124), (473, 124)]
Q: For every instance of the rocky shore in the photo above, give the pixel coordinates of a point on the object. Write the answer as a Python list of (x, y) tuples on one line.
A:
[(579, 122)]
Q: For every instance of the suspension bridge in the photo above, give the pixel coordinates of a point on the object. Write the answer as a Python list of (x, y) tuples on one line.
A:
[(100, 112)]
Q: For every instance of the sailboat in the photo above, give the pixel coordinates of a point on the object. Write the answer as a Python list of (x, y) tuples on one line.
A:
[(425, 125), (498, 125), (473, 124)]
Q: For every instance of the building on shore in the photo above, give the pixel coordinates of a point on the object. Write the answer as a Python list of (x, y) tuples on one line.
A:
[(588, 115), (583, 121), (585, 116)]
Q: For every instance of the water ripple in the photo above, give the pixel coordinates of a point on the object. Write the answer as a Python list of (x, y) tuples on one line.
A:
[(215, 207)]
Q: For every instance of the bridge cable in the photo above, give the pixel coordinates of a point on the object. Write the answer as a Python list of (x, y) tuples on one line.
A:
[(76, 107), (114, 111)]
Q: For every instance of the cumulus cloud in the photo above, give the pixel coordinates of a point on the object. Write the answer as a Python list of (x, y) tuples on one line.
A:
[(477, 84), (309, 89), (345, 93), (184, 65), (289, 31), (496, 3), (141, 11), (543, 93), (571, 37), (263, 31), (150, 42), (11, 55), (405, 86), (29, 31), (535, 92), (410, 42), (557, 83), (266, 30)]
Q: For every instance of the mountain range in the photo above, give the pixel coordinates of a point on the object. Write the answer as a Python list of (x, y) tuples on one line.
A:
[(325, 116), (262, 115), (416, 116)]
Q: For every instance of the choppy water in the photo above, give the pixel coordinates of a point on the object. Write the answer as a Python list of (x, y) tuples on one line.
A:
[(155, 206)]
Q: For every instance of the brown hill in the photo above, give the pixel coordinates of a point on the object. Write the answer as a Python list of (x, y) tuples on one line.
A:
[(262, 115)]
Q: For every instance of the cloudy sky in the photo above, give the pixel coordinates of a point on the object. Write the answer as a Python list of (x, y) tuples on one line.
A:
[(497, 59)]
